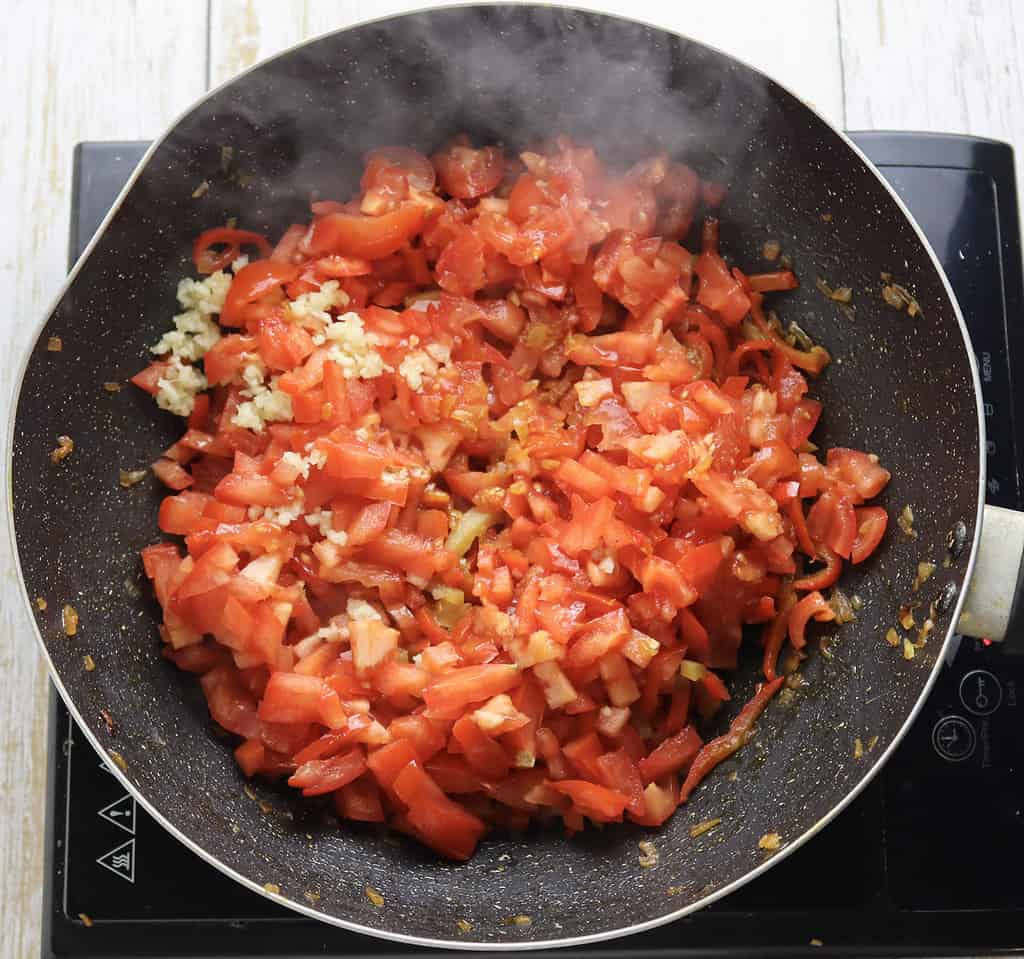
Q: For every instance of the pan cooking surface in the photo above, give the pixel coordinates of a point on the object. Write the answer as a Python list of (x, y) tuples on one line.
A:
[(79, 534)]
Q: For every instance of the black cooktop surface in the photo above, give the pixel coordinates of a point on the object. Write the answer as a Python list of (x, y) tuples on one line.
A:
[(927, 861)]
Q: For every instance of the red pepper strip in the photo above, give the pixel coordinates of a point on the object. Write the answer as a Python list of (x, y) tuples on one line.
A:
[(770, 282), (813, 604), (209, 261), (775, 632), (724, 746), (812, 361), (715, 335), (795, 511), (823, 577), (735, 361)]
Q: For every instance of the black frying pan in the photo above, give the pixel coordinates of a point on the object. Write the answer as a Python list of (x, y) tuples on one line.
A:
[(901, 386)]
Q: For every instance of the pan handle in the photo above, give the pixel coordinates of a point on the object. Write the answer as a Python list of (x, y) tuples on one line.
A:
[(994, 608)]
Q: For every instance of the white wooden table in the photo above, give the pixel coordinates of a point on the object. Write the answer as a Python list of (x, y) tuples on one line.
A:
[(122, 69)]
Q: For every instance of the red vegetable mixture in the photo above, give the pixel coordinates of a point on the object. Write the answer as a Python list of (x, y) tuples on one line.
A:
[(484, 474)]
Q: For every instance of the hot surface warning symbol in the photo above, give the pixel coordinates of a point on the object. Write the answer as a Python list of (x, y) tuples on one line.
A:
[(121, 812), (120, 860)]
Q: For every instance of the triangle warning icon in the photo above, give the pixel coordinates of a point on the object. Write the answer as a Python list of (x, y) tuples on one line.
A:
[(121, 812), (120, 860)]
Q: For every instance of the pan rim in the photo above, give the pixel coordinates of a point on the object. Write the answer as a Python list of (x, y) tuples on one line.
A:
[(529, 944)]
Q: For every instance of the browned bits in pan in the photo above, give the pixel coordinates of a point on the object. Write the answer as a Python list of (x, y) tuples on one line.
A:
[(770, 841), (906, 616), (65, 447), (111, 387), (374, 896), (924, 573), (899, 297), (703, 827), (69, 619), (128, 478), (273, 888), (41, 604), (905, 521), (89, 663), (54, 344), (108, 721), (118, 760), (649, 855), (771, 250)]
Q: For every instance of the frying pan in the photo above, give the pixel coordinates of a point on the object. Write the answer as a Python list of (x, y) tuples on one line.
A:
[(902, 386)]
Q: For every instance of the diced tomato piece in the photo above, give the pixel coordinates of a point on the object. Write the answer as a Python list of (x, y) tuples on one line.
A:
[(319, 776), (451, 692), (366, 237), (360, 800), (600, 637), (832, 521), (467, 173), (293, 698), (388, 761), (598, 803), (860, 470), (620, 773), (871, 524), (671, 755)]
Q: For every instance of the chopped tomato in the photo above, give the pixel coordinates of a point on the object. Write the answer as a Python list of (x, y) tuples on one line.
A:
[(871, 524), (368, 237), (467, 173)]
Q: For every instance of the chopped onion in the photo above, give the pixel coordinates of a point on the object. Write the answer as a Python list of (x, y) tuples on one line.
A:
[(65, 447), (471, 525), (648, 855), (924, 572), (692, 670)]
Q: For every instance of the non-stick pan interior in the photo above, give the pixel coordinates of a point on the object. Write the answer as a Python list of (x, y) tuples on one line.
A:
[(296, 128)]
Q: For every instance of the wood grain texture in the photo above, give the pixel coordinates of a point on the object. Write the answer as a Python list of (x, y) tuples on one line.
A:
[(101, 69), (796, 42), (954, 66)]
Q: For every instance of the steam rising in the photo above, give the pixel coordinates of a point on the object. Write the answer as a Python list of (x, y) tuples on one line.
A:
[(509, 75)]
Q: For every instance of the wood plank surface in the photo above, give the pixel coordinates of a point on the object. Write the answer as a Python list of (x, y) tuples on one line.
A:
[(93, 69), (951, 66)]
